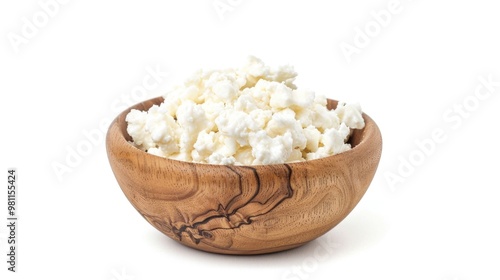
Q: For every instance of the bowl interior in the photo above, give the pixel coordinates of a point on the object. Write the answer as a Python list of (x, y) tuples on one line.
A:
[(354, 140)]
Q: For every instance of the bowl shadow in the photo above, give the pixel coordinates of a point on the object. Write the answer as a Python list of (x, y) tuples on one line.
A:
[(348, 238)]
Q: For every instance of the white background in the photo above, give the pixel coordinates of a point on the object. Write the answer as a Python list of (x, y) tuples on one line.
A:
[(440, 222)]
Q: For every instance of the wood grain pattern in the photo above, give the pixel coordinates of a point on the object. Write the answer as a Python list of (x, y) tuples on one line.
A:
[(243, 209)]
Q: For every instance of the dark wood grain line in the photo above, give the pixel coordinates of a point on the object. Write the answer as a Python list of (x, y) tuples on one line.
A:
[(275, 199)]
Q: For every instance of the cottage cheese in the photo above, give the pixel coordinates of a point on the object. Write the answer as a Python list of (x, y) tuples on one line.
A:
[(247, 116)]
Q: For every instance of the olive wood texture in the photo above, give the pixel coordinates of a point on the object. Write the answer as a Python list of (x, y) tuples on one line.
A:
[(243, 210)]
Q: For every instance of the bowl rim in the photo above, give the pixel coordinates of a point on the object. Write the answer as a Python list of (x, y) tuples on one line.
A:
[(370, 132)]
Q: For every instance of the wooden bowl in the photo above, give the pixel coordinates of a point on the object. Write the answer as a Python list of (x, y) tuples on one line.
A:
[(243, 209)]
